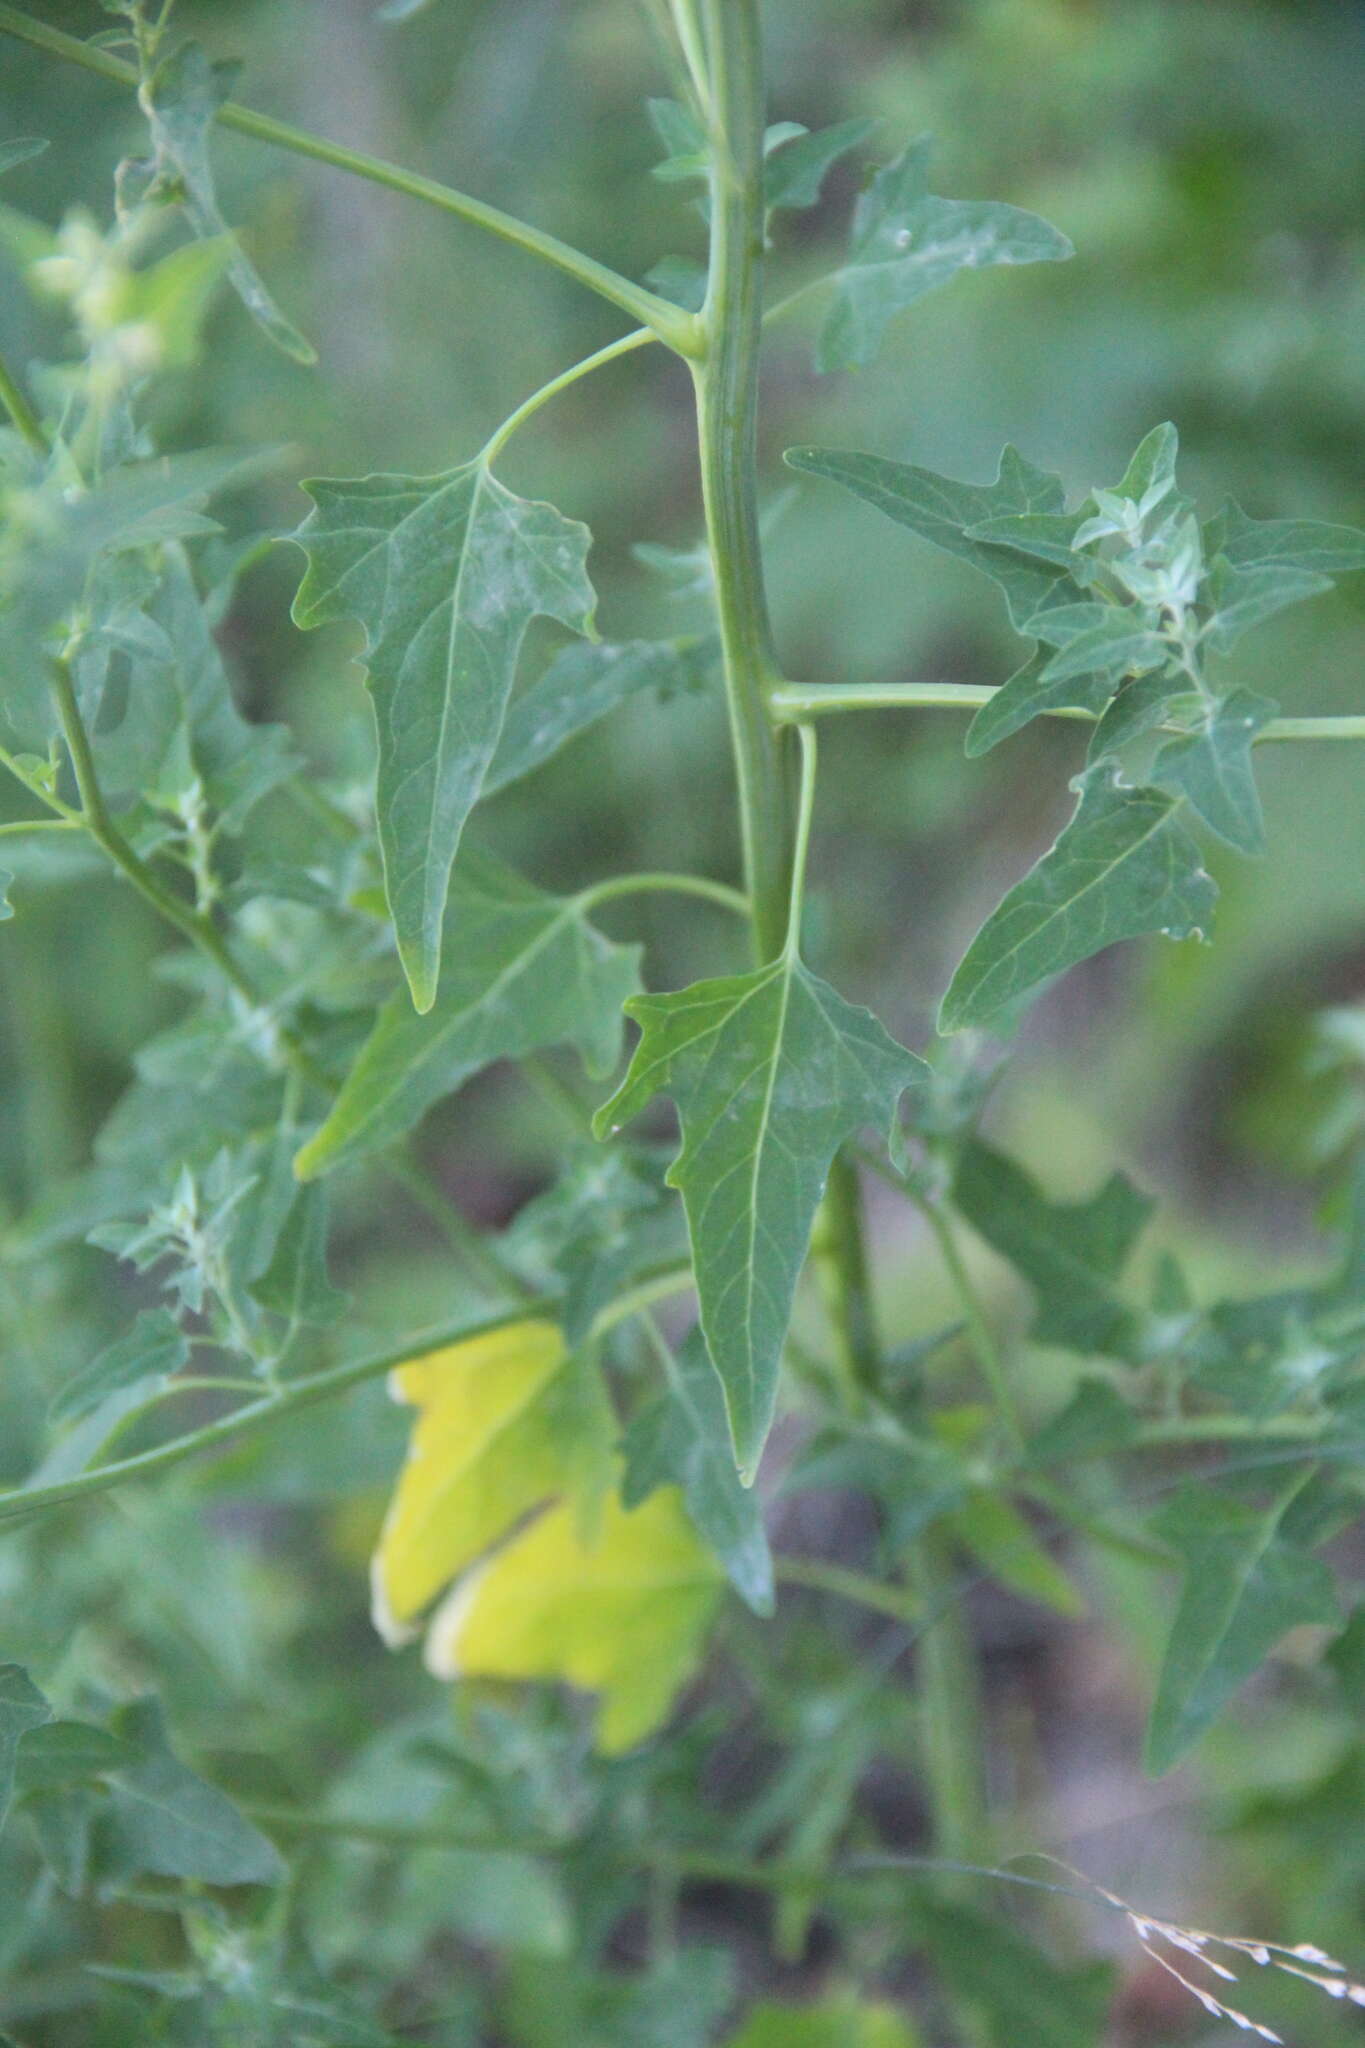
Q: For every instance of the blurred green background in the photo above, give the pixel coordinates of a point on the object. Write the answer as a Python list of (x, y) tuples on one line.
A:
[(1207, 157)]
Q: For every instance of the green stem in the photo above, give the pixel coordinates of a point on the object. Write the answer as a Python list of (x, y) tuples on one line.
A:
[(821, 1577), (950, 1704), (294, 1395), (676, 329), (530, 406), (22, 825), (26, 421), (726, 381), (679, 885), (793, 703), (985, 1346), (192, 924)]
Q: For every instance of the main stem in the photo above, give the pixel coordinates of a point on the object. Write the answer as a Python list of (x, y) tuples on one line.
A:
[(726, 382)]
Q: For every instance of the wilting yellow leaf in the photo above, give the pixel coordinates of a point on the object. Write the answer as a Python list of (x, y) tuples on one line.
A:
[(505, 1422), (622, 1616)]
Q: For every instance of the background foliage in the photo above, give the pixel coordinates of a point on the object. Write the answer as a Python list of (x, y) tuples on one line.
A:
[(1206, 161)]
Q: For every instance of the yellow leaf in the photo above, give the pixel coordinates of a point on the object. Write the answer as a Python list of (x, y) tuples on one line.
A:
[(622, 1617), (501, 1428)]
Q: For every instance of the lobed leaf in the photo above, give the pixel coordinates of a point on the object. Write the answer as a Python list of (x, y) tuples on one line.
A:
[(1245, 1587), (944, 511), (1122, 867), (148, 1354), (1243, 598), (1071, 1253), (683, 1439), (771, 1072), (166, 1821), (527, 970), (906, 242), (295, 1284), (1212, 770), (1306, 544), (444, 574), (622, 1616)]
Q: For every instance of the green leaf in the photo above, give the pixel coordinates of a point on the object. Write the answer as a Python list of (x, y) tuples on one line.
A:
[(180, 100), (795, 171), (61, 1822), (1025, 696), (61, 1753), (181, 740), (1071, 1253), (1212, 769), (1242, 598), (941, 510), (1245, 1587), (6, 884), (906, 242), (683, 1439), (295, 1284), (771, 1072), (580, 686), (445, 574), (1101, 641), (1094, 1422), (841, 2022), (606, 1219), (1001, 1540), (19, 149), (1309, 544), (526, 970), (22, 1707), (167, 1821), (1021, 1994), (1141, 704), (151, 1351), (1122, 867), (1045, 536)]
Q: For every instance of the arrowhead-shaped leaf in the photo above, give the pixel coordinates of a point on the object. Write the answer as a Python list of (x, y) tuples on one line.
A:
[(771, 1072), (1212, 769), (905, 242), (1122, 867), (166, 1820), (622, 1616), (1245, 1587), (526, 970), (1071, 1253), (444, 574), (683, 1439), (1309, 544), (505, 1422), (152, 1350), (941, 510)]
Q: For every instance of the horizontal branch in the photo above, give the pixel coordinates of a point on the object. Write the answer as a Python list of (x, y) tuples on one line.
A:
[(679, 330), (790, 703), (294, 1395)]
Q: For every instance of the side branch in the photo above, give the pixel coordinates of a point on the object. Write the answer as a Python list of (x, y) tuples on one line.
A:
[(677, 329), (792, 703)]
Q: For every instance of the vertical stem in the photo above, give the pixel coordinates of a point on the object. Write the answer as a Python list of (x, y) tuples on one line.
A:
[(726, 381), (25, 419)]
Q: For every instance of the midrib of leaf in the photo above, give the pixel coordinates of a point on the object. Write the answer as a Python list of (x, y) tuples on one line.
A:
[(447, 695), (1269, 1527), (139, 1796), (787, 969), (1101, 875)]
